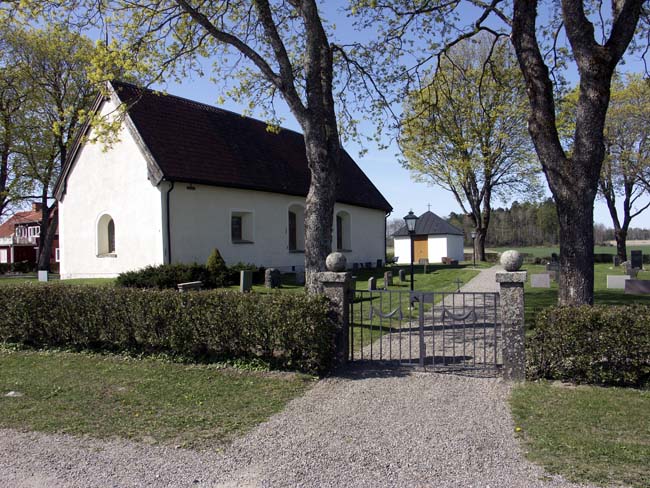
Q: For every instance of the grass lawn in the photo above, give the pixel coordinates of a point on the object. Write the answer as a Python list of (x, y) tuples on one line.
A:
[(141, 399), (537, 298), (54, 278), (592, 434), (541, 252)]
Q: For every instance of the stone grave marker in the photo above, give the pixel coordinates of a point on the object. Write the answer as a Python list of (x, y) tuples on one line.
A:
[(616, 261), (636, 257), (402, 275), (245, 281), (554, 270), (355, 266), (272, 278), (617, 282), (368, 265), (630, 270), (372, 283), (426, 268), (42, 275), (388, 279), (380, 263), (423, 261), (300, 277), (637, 287), (542, 280)]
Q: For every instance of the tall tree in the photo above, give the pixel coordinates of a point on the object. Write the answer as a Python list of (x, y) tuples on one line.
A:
[(573, 178), (591, 35), (627, 155), (53, 62), (275, 48), (465, 131)]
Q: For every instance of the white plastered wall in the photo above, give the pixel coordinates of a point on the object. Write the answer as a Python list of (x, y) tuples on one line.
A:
[(110, 182), (200, 221), (439, 246)]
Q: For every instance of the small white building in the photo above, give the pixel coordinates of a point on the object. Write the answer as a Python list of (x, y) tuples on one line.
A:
[(434, 238), (186, 178)]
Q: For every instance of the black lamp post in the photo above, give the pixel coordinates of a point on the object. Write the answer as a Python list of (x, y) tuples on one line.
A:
[(474, 248), (411, 219)]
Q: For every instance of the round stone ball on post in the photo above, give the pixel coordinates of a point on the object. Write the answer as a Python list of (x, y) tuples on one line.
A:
[(336, 262), (511, 260)]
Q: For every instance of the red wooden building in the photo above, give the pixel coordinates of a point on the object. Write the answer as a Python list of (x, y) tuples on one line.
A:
[(19, 238)]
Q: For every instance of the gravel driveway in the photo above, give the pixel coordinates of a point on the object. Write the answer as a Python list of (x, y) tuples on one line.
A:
[(380, 428)]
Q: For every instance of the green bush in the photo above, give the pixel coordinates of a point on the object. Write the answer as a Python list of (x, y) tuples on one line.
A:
[(23, 267), (602, 345), (286, 330), (4, 268), (169, 276)]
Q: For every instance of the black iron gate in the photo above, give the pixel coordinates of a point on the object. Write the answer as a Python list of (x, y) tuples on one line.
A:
[(458, 330)]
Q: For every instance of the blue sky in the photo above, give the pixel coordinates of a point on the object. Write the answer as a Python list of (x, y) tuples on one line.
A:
[(381, 165)]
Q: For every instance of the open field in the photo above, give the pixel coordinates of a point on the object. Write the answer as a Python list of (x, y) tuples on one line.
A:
[(541, 252), (601, 436), (141, 399)]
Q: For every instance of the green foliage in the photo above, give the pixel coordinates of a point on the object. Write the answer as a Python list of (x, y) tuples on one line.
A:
[(597, 345), (215, 263), (164, 276), (466, 130), (286, 330)]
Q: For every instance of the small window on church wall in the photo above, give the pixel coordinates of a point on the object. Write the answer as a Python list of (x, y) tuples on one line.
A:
[(241, 227), (106, 236), (343, 240), (296, 228)]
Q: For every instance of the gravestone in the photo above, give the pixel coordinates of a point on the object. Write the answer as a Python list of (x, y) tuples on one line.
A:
[(380, 263), (637, 287), (616, 260), (42, 276), (423, 261), (426, 268), (355, 266), (636, 257), (300, 277), (388, 279), (368, 265), (630, 270), (402, 275), (617, 282), (245, 281), (372, 284), (272, 278), (542, 280), (554, 270)]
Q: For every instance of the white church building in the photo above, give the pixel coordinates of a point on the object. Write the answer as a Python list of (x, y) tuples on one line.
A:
[(185, 178)]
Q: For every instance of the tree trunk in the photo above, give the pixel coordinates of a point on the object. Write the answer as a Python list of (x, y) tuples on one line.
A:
[(479, 243), (575, 214), (621, 245), (323, 157), (49, 224)]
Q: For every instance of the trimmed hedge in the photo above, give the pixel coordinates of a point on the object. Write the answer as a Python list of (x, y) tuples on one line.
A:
[(602, 345), (168, 276), (287, 330)]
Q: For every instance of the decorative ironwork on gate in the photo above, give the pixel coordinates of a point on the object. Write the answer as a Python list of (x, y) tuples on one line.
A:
[(459, 330)]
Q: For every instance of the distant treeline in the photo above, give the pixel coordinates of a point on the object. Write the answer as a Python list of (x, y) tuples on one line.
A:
[(531, 224)]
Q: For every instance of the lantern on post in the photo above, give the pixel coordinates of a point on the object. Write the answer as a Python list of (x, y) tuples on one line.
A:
[(411, 220)]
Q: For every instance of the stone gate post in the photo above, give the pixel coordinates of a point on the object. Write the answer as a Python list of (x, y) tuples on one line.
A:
[(511, 297), (336, 284)]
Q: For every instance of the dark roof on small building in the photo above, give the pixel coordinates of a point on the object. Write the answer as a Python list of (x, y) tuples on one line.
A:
[(430, 224), (197, 143)]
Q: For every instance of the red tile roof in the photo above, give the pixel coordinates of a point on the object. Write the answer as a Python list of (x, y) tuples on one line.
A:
[(26, 217), (196, 143)]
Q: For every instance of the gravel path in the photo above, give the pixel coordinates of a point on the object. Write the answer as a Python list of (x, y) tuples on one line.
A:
[(388, 428), (485, 281)]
